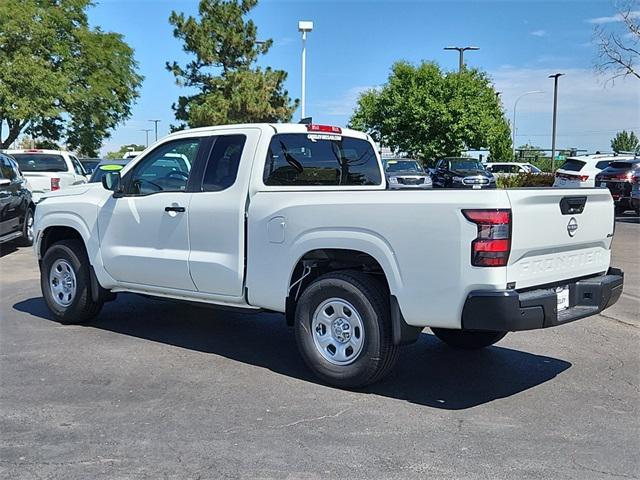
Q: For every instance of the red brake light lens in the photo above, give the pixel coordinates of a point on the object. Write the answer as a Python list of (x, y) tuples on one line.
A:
[(55, 184), (492, 246), (323, 128), (584, 178)]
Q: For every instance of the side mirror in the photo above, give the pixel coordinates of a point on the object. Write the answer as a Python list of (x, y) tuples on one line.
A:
[(4, 181), (112, 181)]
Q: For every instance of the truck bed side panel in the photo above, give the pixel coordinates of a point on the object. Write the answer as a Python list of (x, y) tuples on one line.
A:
[(420, 239)]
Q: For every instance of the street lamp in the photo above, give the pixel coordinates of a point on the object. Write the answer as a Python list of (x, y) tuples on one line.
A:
[(155, 123), (304, 27), (461, 51), (555, 77), (513, 126), (146, 131)]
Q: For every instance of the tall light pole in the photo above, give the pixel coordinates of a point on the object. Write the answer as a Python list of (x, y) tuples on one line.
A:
[(555, 77), (304, 27), (146, 131), (513, 125), (155, 124), (461, 51)]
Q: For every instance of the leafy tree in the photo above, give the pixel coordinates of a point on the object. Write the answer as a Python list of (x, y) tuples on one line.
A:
[(229, 88), (59, 78), (124, 149), (625, 142), (428, 113), (619, 43)]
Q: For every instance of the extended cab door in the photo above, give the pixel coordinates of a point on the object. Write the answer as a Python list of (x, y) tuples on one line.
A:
[(144, 234), (217, 213)]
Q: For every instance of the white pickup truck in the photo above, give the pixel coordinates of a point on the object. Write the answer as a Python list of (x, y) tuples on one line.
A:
[(296, 219)]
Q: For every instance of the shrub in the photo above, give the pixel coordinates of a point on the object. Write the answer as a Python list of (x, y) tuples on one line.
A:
[(525, 180)]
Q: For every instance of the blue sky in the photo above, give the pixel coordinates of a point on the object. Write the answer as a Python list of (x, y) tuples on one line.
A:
[(354, 44)]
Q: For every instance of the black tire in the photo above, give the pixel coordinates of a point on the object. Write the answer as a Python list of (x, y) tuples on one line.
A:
[(467, 340), (26, 240), (81, 307), (378, 354), (620, 209)]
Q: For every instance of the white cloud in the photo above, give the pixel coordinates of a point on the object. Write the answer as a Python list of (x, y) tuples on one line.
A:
[(589, 112), (613, 18), (538, 33)]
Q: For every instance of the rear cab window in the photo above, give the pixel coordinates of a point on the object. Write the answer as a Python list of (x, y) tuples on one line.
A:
[(573, 165), (41, 162), (307, 159)]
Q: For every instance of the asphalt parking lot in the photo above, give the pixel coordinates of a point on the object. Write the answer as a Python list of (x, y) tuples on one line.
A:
[(152, 389)]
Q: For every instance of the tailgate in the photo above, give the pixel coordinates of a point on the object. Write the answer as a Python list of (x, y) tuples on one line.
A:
[(40, 181), (559, 235)]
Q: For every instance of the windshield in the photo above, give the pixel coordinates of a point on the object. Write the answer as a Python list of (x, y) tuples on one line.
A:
[(40, 162), (103, 169), (403, 166), (465, 164)]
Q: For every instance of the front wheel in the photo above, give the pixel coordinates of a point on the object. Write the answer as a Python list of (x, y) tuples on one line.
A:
[(27, 229), (343, 329), (467, 340), (65, 283)]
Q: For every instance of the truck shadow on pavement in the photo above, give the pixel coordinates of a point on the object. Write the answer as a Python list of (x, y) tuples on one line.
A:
[(428, 373)]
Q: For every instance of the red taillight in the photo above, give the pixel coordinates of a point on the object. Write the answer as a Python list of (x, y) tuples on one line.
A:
[(492, 246), (34, 150), (323, 128), (584, 178), (55, 184)]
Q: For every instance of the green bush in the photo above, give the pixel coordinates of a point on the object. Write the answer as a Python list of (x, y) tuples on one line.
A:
[(525, 180)]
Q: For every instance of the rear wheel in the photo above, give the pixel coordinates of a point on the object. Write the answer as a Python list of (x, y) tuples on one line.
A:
[(467, 340), (65, 283), (343, 329)]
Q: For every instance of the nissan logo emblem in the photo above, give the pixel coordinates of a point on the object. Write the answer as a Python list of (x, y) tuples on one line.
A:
[(572, 227)]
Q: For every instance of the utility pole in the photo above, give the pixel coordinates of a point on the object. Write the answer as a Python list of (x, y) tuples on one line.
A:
[(146, 131), (304, 27), (555, 77), (461, 51), (155, 124)]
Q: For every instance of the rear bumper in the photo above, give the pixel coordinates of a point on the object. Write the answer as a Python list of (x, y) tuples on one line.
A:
[(509, 310)]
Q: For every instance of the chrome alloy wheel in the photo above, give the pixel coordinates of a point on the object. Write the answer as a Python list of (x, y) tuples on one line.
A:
[(338, 331), (29, 221), (62, 282)]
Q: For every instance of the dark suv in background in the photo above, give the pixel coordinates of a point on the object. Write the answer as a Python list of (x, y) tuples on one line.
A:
[(618, 177), (462, 172), (16, 206)]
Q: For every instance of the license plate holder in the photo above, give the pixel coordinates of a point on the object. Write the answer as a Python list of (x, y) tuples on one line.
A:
[(562, 297)]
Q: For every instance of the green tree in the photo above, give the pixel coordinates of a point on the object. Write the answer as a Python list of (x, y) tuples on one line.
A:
[(625, 142), (230, 89), (59, 78), (428, 113), (132, 147)]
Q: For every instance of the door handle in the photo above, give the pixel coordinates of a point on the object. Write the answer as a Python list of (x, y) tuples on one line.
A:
[(175, 209)]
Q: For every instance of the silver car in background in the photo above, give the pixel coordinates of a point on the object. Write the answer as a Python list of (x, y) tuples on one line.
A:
[(404, 173)]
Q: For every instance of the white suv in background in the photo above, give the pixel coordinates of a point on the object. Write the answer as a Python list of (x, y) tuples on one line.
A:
[(581, 171), (49, 170)]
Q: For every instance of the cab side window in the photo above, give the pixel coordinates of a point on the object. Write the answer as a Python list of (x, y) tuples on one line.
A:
[(77, 166), (166, 169), (222, 166)]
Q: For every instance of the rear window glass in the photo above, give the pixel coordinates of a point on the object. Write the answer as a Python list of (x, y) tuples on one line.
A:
[(624, 164), (603, 164), (307, 160), (40, 162), (573, 165)]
